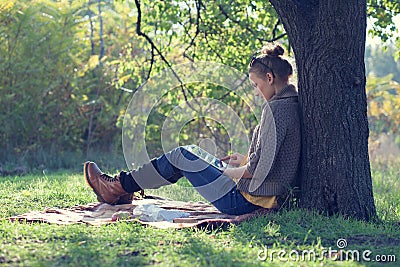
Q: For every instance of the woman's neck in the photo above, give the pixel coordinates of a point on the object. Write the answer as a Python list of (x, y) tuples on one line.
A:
[(280, 85)]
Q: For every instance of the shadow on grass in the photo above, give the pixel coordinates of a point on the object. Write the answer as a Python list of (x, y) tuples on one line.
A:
[(304, 230), (126, 244), (73, 245), (130, 244)]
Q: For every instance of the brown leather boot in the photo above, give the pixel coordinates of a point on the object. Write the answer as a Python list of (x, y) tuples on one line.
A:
[(108, 189), (125, 199)]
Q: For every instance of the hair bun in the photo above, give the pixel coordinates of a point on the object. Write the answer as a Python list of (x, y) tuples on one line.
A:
[(275, 51)]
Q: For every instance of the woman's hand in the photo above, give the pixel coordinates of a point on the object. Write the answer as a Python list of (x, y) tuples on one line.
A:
[(235, 159), (237, 173)]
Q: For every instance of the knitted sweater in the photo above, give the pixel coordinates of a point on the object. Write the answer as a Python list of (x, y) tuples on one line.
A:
[(274, 152)]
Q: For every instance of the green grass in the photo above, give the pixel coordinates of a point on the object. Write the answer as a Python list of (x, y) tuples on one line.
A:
[(131, 244)]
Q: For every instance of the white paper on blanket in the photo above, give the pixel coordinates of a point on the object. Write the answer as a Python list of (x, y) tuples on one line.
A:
[(153, 213)]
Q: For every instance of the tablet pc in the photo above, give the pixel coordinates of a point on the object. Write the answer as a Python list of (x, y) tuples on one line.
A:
[(207, 157)]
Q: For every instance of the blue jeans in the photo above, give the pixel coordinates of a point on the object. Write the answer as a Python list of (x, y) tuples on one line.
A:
[(210, 182)]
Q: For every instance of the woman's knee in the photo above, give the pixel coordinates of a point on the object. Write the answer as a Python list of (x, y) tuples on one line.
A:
[(182, 151)]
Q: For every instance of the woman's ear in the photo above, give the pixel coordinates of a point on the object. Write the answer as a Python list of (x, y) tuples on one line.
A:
[(270, 77)]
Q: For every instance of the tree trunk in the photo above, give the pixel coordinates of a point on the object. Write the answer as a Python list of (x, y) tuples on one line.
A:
[(328, 40)]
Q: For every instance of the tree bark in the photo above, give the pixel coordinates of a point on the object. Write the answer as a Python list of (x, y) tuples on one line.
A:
[(328, 40)]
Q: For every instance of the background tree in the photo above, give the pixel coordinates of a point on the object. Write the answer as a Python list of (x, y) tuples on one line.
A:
[(383, 96), (381, 62), (58, 99)]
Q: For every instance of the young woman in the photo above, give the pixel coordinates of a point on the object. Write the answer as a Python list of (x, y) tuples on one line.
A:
[(255, 180)]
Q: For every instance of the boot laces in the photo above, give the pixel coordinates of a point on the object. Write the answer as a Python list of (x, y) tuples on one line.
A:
[(109, 178)]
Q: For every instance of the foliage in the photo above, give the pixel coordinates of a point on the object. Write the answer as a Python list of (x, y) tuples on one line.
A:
[(36, 59), (55, 91), (383, 105), (70, 67), (381, 12), (382, 94), (381, 62), (61, 72)]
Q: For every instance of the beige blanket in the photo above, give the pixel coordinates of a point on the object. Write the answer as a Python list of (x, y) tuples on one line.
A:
[(198, 214)]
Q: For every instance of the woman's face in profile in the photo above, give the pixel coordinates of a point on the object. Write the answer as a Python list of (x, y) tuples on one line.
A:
[(261, 85)]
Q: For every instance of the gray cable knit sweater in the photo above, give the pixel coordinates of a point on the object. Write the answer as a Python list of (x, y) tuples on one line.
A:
[(274, 152)]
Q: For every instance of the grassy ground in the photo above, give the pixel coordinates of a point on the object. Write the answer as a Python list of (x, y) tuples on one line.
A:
[(128, 244)]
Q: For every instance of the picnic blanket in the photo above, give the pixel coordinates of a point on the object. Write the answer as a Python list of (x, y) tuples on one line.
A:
[(150, 210)]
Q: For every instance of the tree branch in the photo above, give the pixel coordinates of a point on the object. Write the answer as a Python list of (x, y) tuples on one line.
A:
[(383, 8), (262, 40), (198, 5), (154, 47), (91, 32), (150, 41), (101, 55), (151, 63), (216, 137), (278, 22), (234, 89), (212, 49), (295, 15)]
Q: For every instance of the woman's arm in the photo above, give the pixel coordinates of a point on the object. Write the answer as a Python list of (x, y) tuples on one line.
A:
[(240, 161), (237, 173), (235, 159)]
